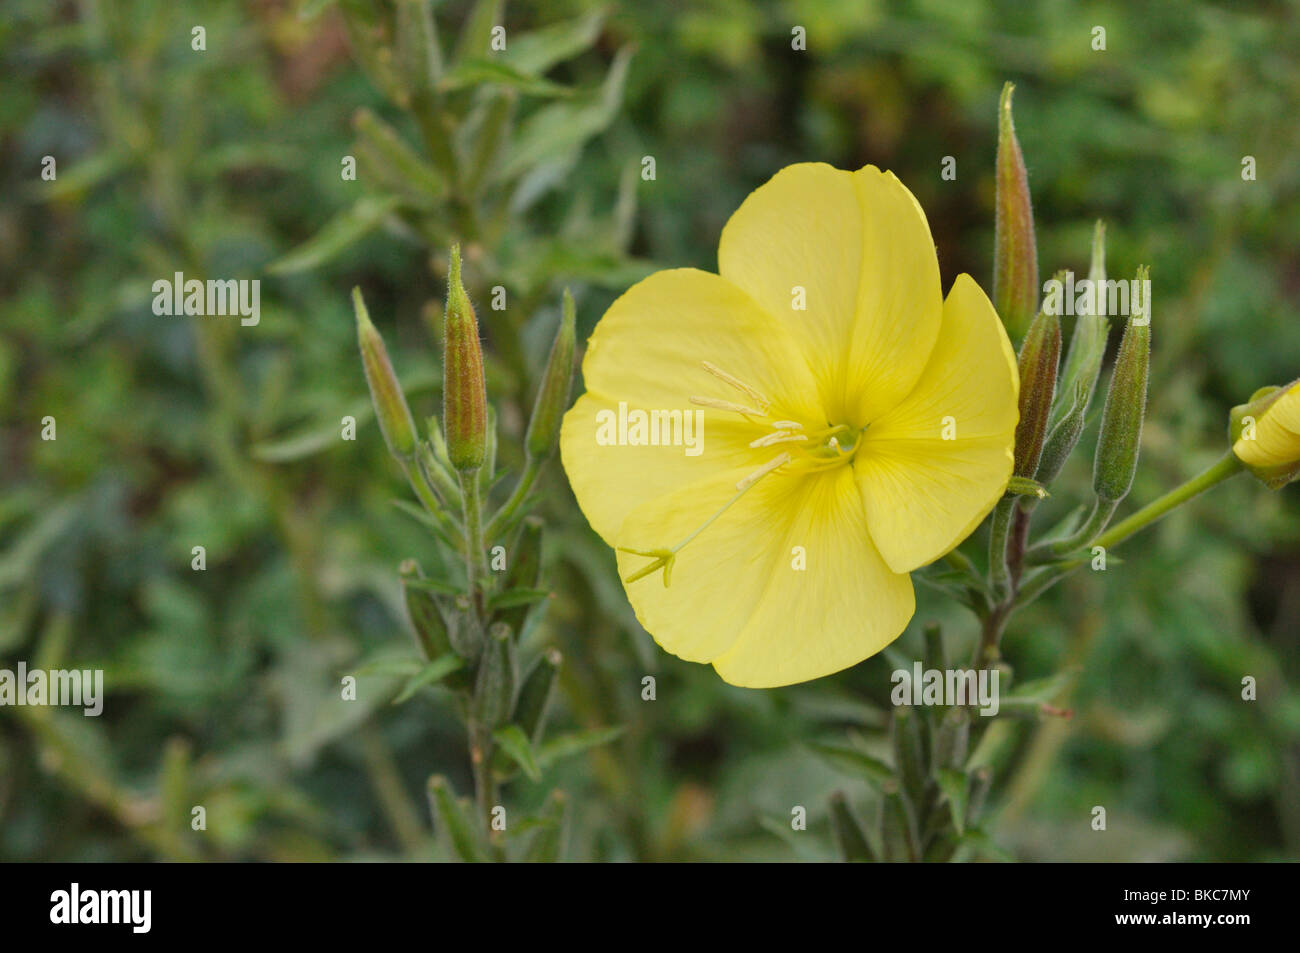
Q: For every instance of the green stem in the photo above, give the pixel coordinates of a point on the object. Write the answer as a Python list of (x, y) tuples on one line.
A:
[(1043, 580), (505, 516), (999, 578), (1102, 511), (474, 556), (1227, 466)]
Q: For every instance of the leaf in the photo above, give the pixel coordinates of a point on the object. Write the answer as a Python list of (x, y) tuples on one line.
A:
[(538, 50), (548, 840), (339, 233), (513, 742), (476, 71), (566, 745), (953, 784), (432, 673), (562, 127), (449, 815), (429, 585), (418, 513), (848, 832), (851, 761), (389, 667), (517, 597)]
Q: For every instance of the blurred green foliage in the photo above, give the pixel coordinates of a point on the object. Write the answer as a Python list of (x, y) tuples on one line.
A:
[(172, 433)]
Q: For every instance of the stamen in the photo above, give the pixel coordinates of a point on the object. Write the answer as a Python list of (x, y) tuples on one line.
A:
[(728, 406), (781, 436), (787, 425), (740, 385), (764, 470), (665, 558)]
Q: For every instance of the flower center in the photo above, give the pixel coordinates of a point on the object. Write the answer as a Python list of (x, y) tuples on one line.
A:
[(803, 449)]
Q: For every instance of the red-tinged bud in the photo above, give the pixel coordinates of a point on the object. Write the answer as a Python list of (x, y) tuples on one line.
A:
[(464, 397), (1015, 254), (385, 390)]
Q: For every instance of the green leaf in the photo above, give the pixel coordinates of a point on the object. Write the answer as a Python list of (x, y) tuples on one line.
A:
[(450, 816), (432, 673), (561, 128), (1023, 486), (477, 71), (339, 233), (517, 597), (853, 842), (548, 840), (430, 585), (538, 50), (513, 742), (852, 761), (954, 787), (390, 667), (566, 745), (418, 513)]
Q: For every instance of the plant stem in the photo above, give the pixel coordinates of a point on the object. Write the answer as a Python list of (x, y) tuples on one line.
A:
[(999, 577), (473, 533), (1227, 466), (505, 515)]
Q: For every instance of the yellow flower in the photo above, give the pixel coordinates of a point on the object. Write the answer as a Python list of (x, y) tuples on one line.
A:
[(1267, 434), (787, 440)]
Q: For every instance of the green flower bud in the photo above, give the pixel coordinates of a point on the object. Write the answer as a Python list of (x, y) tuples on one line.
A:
[(1015, 254), (553, 395), (1126, 402), (535, 695), (430, 628), (497, 677), (1064, 436), (464, 397), (385, 390), (1088, 342), (1040, 356)]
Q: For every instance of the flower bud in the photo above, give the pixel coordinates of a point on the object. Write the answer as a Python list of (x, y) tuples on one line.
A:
[(385, 390), (1040, 356), (426, 618), (553, 395), (1265, 434), (1126, 401), (464, 398), (1088, 342), (1015, 255), (497, 677), (535, 695)]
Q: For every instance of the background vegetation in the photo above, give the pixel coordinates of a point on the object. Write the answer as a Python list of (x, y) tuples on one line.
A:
[(176, 432)]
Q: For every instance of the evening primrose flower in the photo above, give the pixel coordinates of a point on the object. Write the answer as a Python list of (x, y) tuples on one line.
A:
[(1266, 434), (783, 442)]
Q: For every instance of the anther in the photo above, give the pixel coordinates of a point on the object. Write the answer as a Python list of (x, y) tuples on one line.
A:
[(781, 436), (750, 392), (778, 461), (728, 406)]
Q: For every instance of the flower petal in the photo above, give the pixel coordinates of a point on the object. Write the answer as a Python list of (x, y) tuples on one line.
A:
[(858, 244), (924, 494), (1277, 433), (845, 606), (648, 352), (720, 576)]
